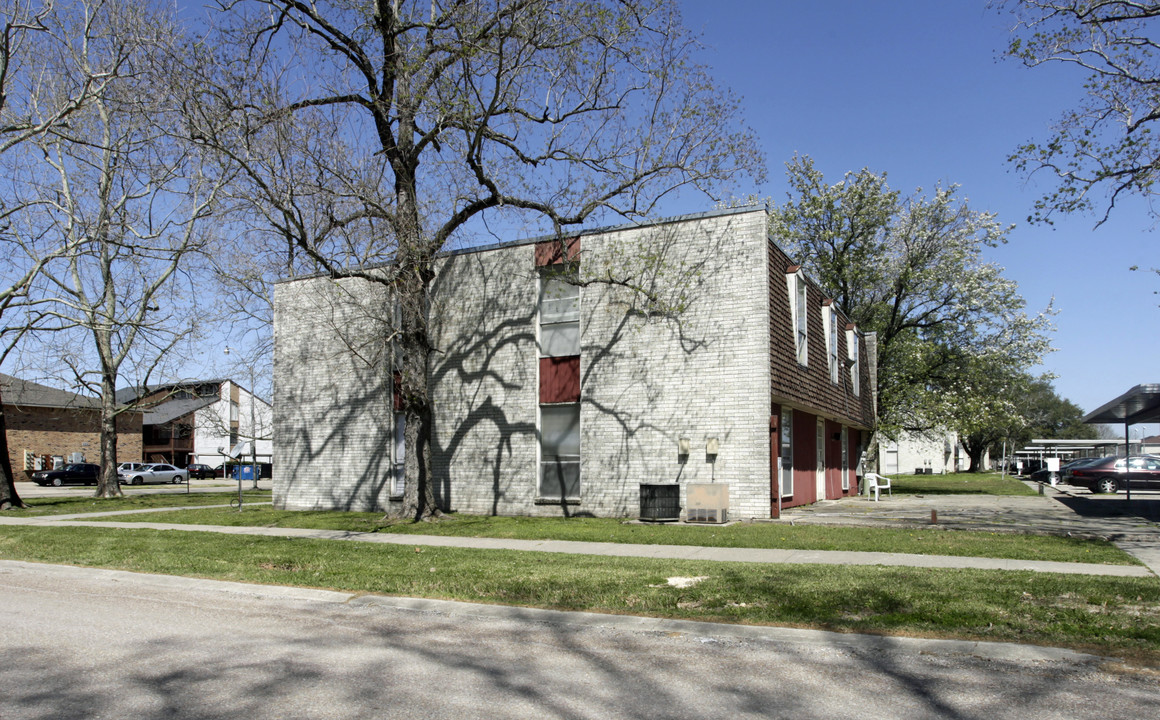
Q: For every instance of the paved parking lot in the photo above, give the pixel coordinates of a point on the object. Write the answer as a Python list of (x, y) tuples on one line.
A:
[(1062, 510), (32, 490)]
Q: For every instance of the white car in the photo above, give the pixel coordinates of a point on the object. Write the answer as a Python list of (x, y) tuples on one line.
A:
[(156, 473)]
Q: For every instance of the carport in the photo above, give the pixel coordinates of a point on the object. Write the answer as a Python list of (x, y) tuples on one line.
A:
[(1141, 404)]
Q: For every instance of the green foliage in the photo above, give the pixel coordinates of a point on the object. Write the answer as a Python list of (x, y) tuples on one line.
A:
[(953, 334), (1107, 141)]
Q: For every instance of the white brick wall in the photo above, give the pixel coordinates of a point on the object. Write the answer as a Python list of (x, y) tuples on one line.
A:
[(332, 407), (485, 382), (646, 381), (702, 374)]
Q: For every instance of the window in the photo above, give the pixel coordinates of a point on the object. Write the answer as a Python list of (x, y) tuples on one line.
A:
[(559, 318), (560, 451), (786, 452), (559, 378), (830, 318), (856, 360), (233, 411), (398, 474), (845, 459), (797, 294)]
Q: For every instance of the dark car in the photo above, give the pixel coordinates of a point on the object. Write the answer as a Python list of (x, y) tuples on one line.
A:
[(202, 471), (1066, 471), (1113, 474), (1051, 477), (72, 474)]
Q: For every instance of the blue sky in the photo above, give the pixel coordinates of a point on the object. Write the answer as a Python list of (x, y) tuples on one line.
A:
[(917, 89)]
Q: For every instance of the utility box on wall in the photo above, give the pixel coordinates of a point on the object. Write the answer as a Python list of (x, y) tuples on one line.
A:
[(707, 502)]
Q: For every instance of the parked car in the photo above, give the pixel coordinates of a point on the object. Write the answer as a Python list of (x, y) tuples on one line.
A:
[(156, 473), (1066, 471), (202, 471), (1111, 474), (1051, 477), (130, 466), (72, 474)]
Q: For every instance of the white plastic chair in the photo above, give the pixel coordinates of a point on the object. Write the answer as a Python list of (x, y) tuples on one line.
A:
[(875, 483)]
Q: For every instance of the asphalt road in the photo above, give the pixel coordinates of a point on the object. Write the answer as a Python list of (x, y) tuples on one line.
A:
[(101, 644)]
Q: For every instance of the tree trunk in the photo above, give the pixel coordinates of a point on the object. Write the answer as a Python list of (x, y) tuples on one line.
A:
[(975, 454), (9, 498), (107, 484), (412, 287)]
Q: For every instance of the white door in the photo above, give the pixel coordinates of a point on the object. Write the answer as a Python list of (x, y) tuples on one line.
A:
[(890, 458), (821, 459)]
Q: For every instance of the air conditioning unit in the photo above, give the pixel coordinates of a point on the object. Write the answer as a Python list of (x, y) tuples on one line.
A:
[(76, 457), (707, 502), (660, 502)]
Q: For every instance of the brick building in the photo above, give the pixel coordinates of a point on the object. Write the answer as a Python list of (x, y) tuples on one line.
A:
[(199, 421), (721, 364), (47, 426)]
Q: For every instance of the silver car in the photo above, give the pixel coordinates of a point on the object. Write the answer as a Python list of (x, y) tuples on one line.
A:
[(155, 473)]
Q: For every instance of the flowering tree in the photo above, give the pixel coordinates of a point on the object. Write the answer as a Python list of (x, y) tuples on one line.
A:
[(911, 269)]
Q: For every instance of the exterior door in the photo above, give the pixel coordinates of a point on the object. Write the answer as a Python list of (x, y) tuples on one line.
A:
[(889, 458)]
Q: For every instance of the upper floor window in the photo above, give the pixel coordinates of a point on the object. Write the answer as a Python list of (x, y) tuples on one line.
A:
[(559, 318), (852, 349), (830, 321), (798, 305)]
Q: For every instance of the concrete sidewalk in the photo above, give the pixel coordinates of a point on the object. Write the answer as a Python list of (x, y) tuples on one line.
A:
[(673, 552)]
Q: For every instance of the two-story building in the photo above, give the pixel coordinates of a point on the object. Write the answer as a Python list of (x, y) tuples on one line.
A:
[(47, 427), (688, 351), (199, 421)]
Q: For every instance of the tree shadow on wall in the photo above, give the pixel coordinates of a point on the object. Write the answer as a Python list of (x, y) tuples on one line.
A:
[(334, 405), (483, 326), (669, 282)]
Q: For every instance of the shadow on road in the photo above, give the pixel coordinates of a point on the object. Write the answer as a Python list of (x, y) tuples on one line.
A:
[(1145, 508)]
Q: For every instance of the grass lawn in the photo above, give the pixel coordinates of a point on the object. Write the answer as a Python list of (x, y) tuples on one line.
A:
[(959, 484), (923, 541), (1106, 615)]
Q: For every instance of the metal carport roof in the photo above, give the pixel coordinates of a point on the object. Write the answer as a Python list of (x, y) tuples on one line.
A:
[(1141, 404)]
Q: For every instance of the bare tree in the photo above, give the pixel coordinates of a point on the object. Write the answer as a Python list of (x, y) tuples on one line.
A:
[(438, 117), (33, 36), (1107, 141), (123, 181)]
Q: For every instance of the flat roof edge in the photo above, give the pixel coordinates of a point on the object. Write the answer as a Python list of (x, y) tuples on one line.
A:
[(708, 214)]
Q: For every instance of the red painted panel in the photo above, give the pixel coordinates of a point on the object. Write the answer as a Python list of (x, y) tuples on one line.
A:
[(551, 252), (560, 379), (833, 459), (805, 457)]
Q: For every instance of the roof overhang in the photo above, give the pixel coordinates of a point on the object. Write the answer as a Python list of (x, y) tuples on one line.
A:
[(1141, 404)]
